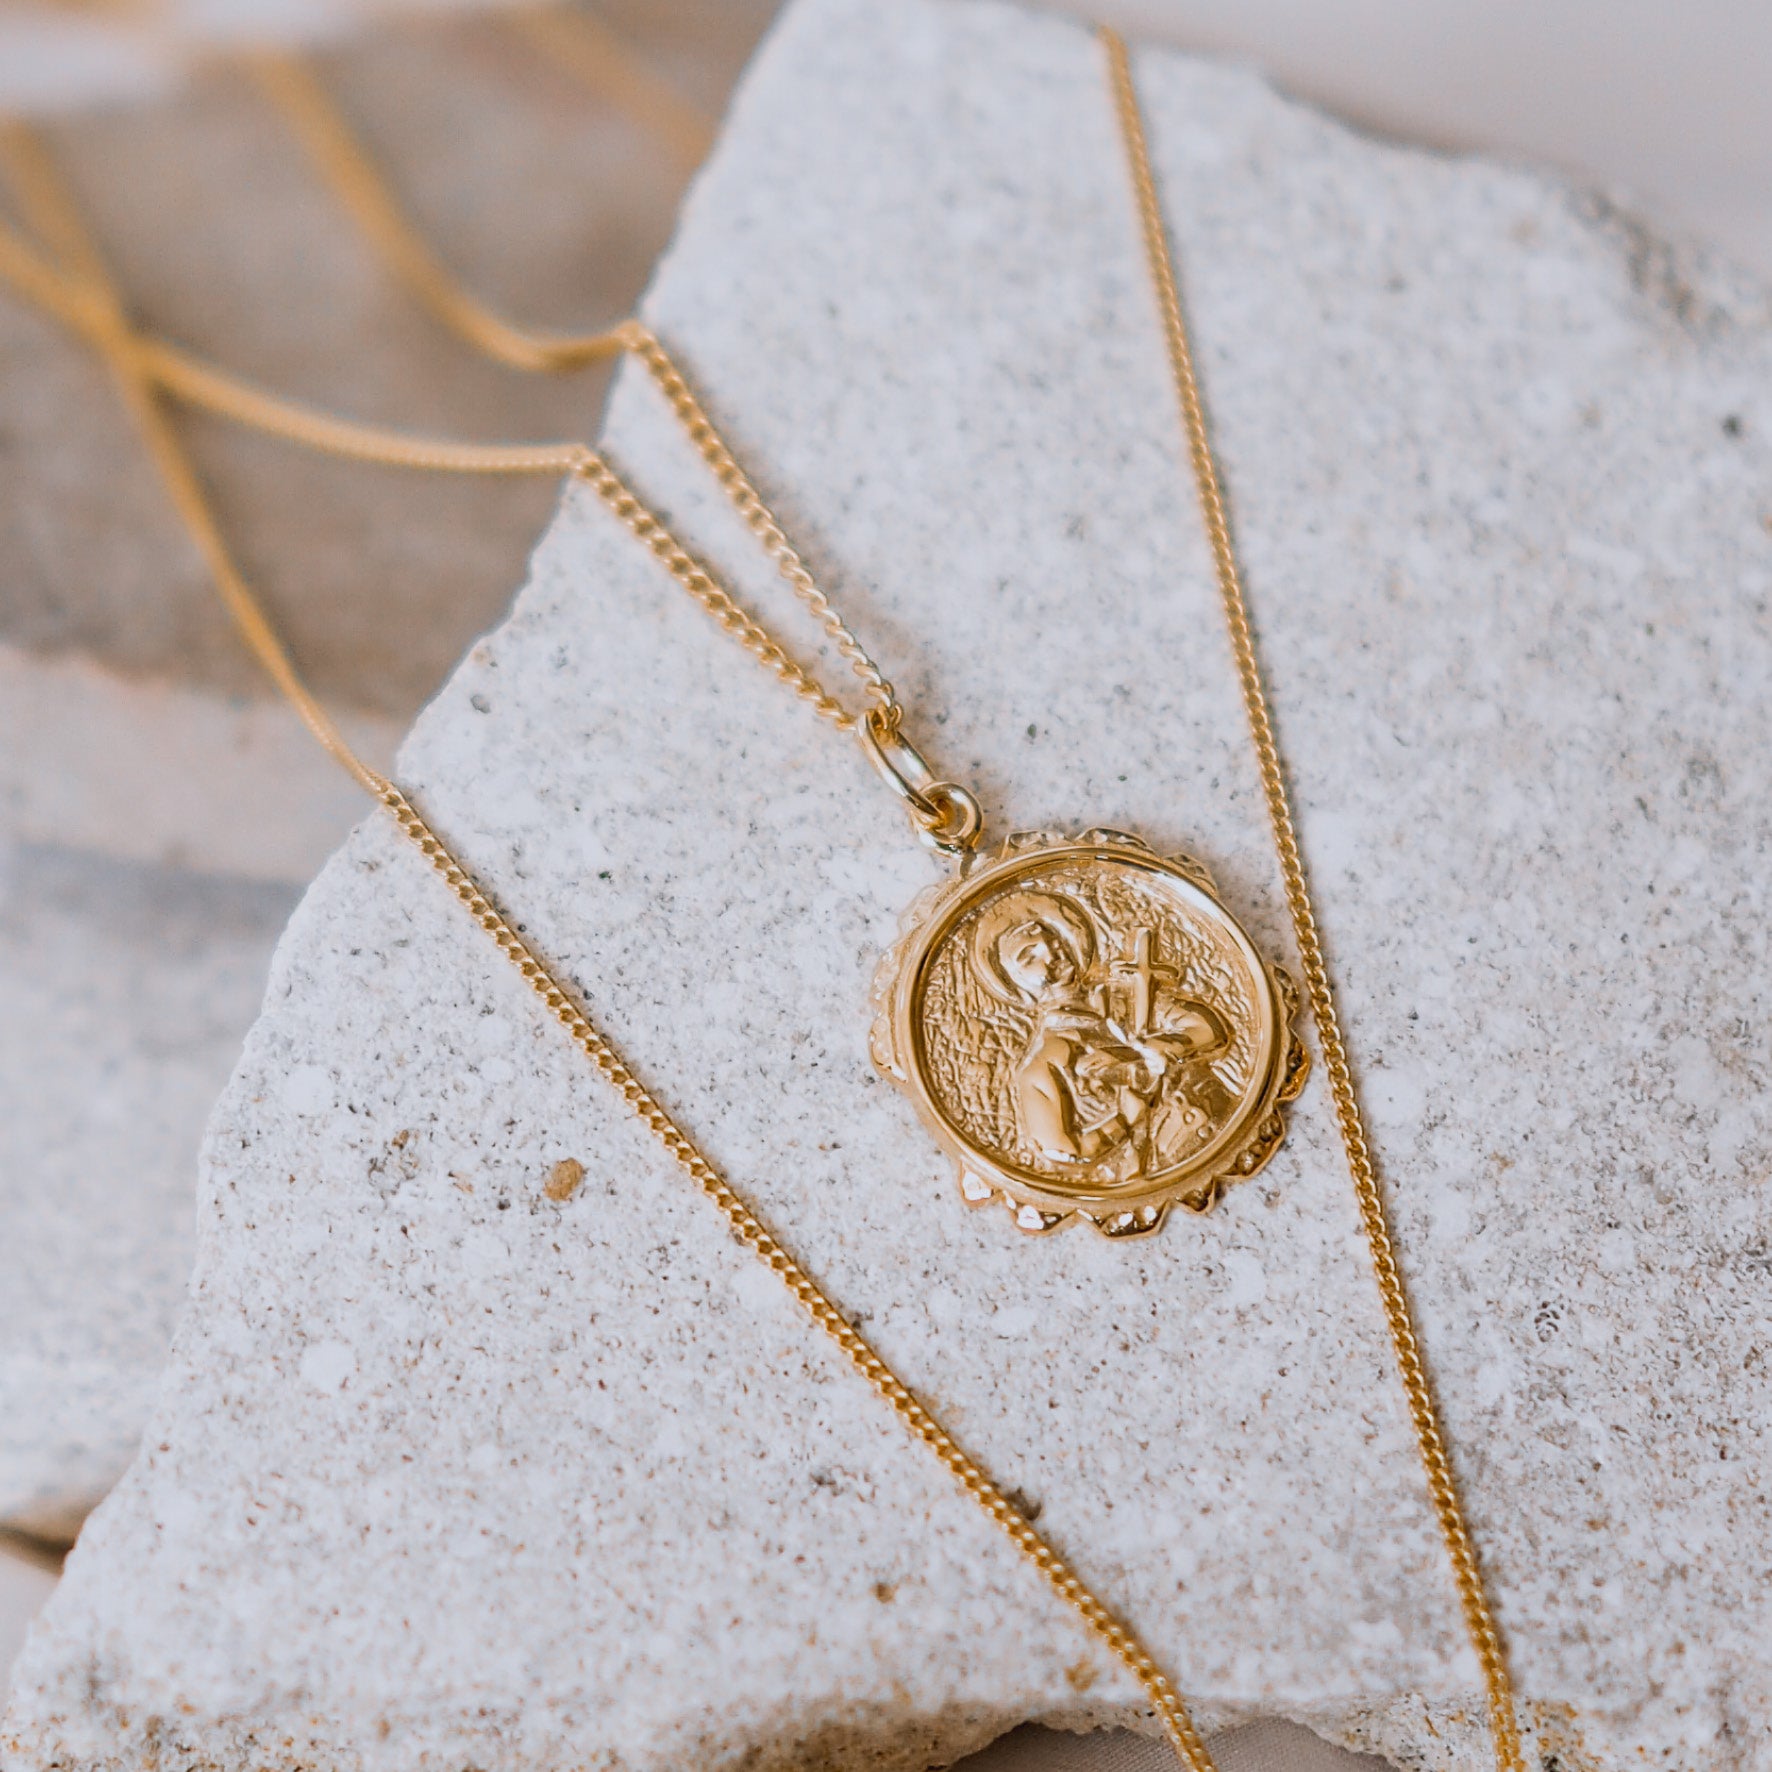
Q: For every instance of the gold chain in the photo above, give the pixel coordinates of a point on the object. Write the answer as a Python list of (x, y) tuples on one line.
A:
[(738, 488), (85, 295), (289, 83), (361, 190), (1374, 1217), (76, 300), (342, 162), (82, 294)]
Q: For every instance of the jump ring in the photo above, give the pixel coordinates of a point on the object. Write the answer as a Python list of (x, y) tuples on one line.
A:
[(947, 817), (958, 820)]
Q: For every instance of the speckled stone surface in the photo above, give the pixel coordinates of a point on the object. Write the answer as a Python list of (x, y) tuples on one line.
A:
[(447, 1472)]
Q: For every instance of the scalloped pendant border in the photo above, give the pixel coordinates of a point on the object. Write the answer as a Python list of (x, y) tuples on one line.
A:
[(1038, 954)]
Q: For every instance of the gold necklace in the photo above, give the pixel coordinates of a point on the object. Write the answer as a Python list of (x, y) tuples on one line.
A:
[(1032, 924), (1083, 1025)]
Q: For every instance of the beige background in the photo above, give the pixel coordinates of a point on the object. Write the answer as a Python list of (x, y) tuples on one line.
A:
[(1663, 97)]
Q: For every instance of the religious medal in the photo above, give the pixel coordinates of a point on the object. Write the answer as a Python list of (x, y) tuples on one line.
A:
[(1089, 1033), (1081, 1023)]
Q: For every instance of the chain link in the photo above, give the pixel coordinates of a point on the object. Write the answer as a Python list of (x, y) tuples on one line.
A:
[(1374, 1217), (762, 522), (707, 590)]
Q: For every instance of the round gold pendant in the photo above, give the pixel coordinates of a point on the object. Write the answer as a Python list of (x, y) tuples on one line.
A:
[(1089, 1033)]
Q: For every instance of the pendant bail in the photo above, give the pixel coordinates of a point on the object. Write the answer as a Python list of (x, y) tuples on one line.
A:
[(947, 816)]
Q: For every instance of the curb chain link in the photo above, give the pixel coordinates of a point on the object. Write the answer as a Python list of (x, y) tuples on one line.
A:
[(1374, 1217)]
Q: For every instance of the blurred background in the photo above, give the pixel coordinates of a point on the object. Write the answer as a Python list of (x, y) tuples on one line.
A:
[(159, 811)]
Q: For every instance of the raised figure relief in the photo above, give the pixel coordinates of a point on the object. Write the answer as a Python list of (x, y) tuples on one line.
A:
[(1117, 1061), (1087, 1028)]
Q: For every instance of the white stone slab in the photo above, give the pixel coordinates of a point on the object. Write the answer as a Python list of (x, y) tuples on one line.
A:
[(449, 1473)]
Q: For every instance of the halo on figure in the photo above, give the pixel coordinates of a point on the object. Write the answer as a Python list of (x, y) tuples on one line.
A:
[(1064, 921)]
